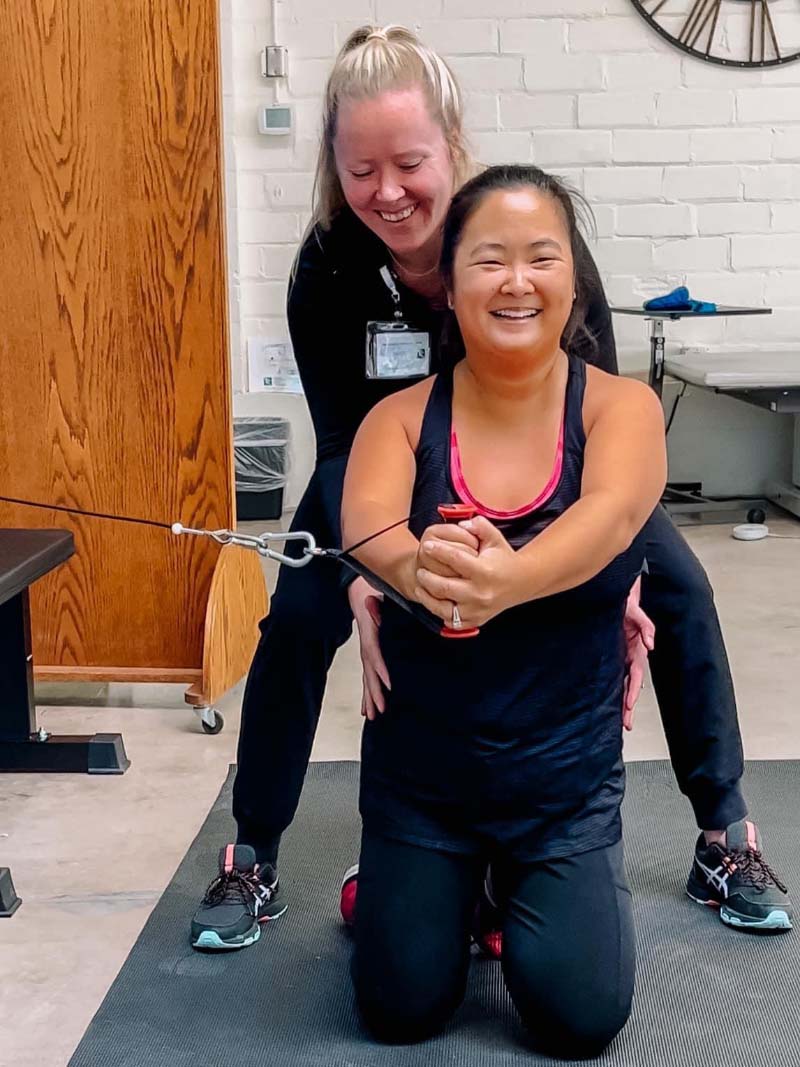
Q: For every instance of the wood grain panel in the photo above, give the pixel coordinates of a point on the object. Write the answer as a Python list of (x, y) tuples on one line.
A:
[(131, 596), (113, 333), (237, 601), (150, 675)]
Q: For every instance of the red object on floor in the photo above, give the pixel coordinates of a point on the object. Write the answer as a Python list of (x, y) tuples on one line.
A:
[(491, 944), (347, 897)]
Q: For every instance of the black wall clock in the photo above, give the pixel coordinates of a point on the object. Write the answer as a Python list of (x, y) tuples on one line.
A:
[(734, 33)]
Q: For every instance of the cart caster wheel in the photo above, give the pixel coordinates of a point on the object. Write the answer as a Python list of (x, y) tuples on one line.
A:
[(215, 726), (756, 515)]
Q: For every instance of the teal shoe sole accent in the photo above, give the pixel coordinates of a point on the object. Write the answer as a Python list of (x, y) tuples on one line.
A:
[(777, 919), (210, 939)]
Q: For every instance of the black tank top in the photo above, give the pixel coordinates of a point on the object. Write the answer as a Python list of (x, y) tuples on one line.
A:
[(513, 738)]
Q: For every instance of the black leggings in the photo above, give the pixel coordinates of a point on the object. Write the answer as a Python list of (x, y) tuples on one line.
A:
[(568, 943)]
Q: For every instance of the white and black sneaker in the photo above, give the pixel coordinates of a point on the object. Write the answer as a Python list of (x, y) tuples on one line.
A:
[(242, 895)]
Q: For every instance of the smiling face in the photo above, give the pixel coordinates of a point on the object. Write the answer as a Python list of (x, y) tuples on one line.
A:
[(395, 168), (513, 274)]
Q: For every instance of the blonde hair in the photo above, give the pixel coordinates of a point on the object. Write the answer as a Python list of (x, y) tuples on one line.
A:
[(372, 61)]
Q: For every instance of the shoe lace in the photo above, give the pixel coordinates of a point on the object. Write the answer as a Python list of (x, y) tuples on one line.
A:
[(753, 867), (232, 886)]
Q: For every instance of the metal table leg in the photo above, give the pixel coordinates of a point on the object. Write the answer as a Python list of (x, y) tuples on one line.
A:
[(657, 355)]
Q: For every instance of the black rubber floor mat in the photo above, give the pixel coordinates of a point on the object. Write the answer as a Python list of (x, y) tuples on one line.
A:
[(705, 994)]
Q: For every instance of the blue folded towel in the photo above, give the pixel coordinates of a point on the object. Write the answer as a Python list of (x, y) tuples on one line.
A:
[(679, 300)]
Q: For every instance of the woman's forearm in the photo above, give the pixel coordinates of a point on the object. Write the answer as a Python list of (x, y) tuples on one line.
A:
[(391, 555), (574, 548)]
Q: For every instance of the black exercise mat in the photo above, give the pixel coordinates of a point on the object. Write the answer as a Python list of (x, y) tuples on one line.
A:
[(705, 994)]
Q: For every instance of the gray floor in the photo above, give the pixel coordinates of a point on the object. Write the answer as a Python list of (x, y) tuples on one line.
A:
[(90, 856)]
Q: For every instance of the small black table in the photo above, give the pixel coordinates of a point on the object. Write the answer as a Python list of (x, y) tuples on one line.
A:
[(25, 556), (657, 330), (686, 498)]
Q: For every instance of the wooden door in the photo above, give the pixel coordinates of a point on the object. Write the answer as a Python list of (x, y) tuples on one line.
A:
[(113, 336)]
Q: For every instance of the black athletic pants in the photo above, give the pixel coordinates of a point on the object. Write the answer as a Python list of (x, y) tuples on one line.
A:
[(568, 943), (310, 619)]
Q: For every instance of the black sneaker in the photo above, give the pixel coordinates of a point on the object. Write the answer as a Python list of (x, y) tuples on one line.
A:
[(736, 879), (240, 897)]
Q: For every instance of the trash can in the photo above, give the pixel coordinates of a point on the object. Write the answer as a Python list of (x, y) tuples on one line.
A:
[(261, 455)]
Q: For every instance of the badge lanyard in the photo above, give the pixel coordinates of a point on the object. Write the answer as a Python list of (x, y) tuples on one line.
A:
[(396, 349)]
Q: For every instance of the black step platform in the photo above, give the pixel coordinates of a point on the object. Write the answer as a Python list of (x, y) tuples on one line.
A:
[(25, 556), (9, 901)]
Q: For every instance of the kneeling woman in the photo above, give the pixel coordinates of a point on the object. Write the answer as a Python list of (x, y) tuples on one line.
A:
[(505, 747)]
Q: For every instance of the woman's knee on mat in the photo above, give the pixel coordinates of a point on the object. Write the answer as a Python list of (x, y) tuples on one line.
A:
[(402, 1013), (574, 1038), (573, 992), (572, 1028)]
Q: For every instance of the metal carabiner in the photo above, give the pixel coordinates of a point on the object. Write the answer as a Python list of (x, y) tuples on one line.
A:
[(258, 542)]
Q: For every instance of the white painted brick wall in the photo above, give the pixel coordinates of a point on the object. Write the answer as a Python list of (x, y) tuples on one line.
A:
[(786, 218), (622, 184), (775, 182), (643, 220), (703, 183), (562, 73), (691, 254), (481, 111), (733, 218), (693, 169), (500, 147), (721, 146), (786, 143), (781, 289), (470, 37), (554, 148), (768, 105), (534, 36), (657, 71), (529, 111), (609, 110), (482, 73), (687, 107), (608, 35), (651, 146), (775, 250)]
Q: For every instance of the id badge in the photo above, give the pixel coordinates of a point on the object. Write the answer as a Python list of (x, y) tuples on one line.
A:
[(397, 350)]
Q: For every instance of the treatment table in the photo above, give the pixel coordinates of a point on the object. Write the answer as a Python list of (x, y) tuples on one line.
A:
[(769, 380)]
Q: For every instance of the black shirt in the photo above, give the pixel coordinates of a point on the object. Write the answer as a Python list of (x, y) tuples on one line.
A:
[(337, 289), (511, 738)]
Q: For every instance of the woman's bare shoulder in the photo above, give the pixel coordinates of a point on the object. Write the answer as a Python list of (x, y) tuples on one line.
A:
[(407, 407), (604, 390)]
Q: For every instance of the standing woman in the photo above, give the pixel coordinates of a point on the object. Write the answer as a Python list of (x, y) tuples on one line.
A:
[(392, 154)]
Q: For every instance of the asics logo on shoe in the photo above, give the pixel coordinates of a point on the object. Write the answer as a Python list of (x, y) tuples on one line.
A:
[(717, 879), (262, 894)]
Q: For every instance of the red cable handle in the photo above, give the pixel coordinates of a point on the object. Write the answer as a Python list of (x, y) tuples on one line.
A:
[(457, 513)]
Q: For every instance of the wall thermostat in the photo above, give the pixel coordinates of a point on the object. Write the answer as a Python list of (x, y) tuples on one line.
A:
[(275, 119)]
